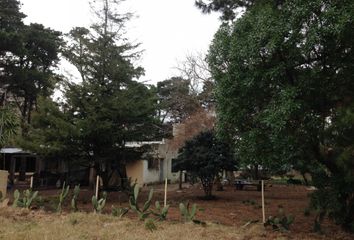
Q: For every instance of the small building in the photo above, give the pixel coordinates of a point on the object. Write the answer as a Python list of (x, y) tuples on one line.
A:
[(157, 165), (19, 163)]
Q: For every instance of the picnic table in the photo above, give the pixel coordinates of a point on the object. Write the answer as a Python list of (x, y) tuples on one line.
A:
[(240, 184)]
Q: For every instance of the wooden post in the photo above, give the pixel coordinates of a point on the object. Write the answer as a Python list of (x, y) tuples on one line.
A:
[(263, 210), (165, 199), (97, 185), (180, 180), (31, 182)]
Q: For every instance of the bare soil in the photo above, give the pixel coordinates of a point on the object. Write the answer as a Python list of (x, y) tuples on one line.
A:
[(231, 208)]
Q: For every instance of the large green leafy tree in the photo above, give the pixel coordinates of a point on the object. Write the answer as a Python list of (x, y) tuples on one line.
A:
[(109, 107), (28, 56), (284, 74), (205, 157), (228, 8)]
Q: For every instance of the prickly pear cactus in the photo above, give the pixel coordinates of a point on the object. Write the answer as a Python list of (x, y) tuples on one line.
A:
[(76, 193), (99, 204), (143, 212), (62, 196)]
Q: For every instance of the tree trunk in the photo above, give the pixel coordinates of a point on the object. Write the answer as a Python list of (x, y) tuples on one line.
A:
[(256, 172), (180, 180), (122, 171), (207, 187), (230, 176), (218, 184), (305, 179), (92, 176)]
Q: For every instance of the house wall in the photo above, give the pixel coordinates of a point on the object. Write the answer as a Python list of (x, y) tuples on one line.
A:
[(150, 175), (168, 154), (135, 171), (3, 182)]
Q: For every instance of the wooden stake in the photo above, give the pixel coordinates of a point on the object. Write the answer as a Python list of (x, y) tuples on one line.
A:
[(31, 183), (263, 210), (165, 199), (97, 185)]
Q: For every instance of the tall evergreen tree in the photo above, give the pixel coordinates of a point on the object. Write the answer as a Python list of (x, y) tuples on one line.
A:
[(28, 56), (109, 106)]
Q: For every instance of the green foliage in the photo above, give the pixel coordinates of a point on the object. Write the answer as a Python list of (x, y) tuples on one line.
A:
[(129, 187), (161, 212), (249, 202), (28, 55), (27, 199), (150, 224), (75, 196), (332, 199), (281, 221), (99, 204), (109, 95), (143, 212), (9, 125), (62, 196), (119, 211), (307, 212), (188, 214), (176, 102), (228, 8), (52, 134), (205, 157), (284, 91)]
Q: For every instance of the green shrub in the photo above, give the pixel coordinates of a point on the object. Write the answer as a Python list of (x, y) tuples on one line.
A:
[(150, 224), (281, 221), (119, 212)]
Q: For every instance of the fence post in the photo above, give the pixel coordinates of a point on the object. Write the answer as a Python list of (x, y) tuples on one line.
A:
[(97, 185), (165, 199), (263, 210)]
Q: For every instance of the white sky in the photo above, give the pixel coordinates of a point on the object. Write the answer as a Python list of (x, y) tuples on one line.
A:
[(167, 29)]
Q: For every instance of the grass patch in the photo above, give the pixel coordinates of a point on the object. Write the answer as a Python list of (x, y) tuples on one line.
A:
[(96, 226)]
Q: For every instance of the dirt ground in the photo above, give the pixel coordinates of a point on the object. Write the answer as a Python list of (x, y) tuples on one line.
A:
[(233, 208)]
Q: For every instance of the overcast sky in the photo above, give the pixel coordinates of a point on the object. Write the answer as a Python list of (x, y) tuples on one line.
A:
[(167, 29)]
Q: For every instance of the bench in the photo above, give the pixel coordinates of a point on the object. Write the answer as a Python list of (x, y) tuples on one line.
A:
[(241, 184)]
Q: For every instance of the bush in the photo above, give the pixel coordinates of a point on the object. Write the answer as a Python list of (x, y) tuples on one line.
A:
[(205, 157)]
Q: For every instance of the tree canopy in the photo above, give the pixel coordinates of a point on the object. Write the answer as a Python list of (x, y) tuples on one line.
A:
[(28, 56), (284, 87), (205, 157), (109, 107)]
